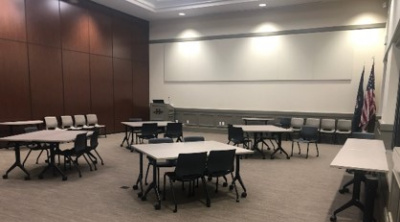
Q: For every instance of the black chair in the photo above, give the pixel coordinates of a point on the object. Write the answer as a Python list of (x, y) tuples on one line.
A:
[(35, 146), (148, 131), (285, 122), (236, 136), (167, 163), (358, 135), (134, 132), (79, 149), (174, 130), (220, 164), (189, 167), (193, 138), (94, 142), (308, 134)]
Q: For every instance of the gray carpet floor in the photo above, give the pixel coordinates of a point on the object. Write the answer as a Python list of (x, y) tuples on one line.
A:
[(279, 190)]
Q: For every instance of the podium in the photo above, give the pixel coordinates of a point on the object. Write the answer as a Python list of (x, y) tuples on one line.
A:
[(162, 112)]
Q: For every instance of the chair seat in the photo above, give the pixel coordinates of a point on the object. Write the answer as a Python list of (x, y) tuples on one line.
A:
[(343, 132), (327, 130), (301, 140)]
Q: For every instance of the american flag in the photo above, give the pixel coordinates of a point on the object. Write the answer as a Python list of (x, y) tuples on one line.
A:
[(369, 108)]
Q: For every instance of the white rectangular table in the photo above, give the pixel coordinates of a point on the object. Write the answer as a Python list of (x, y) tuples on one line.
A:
[(13, 124), (171, 151), (258, 130), (361, 155), (131, 126), (53, 137)]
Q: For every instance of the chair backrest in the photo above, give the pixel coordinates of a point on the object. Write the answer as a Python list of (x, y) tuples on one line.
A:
[(91, 119), (30, 129), (174, 130), (191, 165), (344, 125), (362, 135), (285, 122), (51, 122), (237, 133), (94, 139), (309, 133), (313, 122), (149, 129), (66, 122), (328, 124), (80, 143), (220, 161), (79, 120), (160, 140), (134, 119), (193, 138), (297, 122)]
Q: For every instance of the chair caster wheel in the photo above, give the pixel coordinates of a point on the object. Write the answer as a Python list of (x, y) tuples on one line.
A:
[(144, 198), (5, 176), (175, 211), (146, 183), (140, 194), (40, 176), (208, 203), (27, 178), (288, 157), (244, 194), (333, 218), (344, 190), (135, 187), (65, 178), (225, 184), (157, 206), (230, 187)]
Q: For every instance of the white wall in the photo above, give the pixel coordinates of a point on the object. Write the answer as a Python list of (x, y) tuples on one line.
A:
[(308, 96)]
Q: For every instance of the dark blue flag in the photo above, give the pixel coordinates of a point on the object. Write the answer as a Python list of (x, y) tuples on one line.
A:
[(359, 105)]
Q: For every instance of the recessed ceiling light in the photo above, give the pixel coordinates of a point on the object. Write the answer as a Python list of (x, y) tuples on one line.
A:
[(262, 5), (181, 14)]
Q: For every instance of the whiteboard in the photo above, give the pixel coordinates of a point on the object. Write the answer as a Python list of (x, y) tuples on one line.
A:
[(310, 56)]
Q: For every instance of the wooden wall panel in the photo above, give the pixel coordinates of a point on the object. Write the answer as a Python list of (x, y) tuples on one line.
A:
[(43, 22), (46, 81), (74, 27), (100, 32), (141, 90), (140, 45), (76, 83), (122, 92), (12, 20), (14, 83), (122, 39), (101, 78)]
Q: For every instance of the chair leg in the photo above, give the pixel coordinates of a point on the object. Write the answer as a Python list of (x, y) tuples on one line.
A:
[(308, 145), (164, 191), (101, 159), (76, 164), (298, 145), (291, 154), (203, 180), (216, 185), (37, 158), (316, 146), (87, 161)]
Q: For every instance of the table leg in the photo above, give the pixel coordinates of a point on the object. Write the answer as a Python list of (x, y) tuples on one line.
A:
[(279, 147), (255, 146), (52, 163), (154, 185), (355, 200), (139, 180), (17, 163), (126, 138), (238, 177)]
